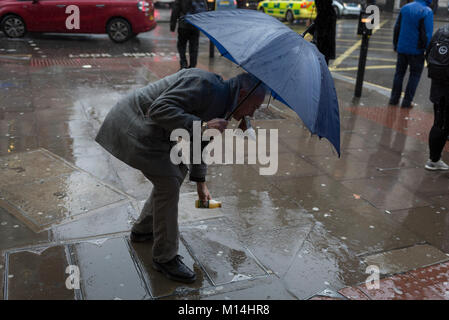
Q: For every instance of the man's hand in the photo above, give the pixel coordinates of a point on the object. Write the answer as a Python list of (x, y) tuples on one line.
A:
[(242, 125), (203, 192), (219, 124)]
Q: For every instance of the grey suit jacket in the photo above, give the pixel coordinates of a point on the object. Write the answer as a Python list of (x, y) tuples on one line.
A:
[(137, 129)]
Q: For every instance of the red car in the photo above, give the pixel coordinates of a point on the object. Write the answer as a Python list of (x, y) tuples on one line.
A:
[(120, 19)]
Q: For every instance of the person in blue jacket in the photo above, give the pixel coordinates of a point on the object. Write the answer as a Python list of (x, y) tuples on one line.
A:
[(412, 33)]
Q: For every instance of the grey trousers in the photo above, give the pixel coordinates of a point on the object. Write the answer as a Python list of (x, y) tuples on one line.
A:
[(160, 216)]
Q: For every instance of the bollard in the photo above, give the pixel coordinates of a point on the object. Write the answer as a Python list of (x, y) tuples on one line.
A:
[(211, 7), (365, 32)]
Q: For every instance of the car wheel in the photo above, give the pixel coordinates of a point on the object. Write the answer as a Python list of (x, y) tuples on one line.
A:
[(289, 17), (119, 30), (263, 10), (13, 26), (337, 12)]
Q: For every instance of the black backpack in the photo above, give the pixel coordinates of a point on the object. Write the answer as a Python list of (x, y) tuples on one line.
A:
[(437, 55)]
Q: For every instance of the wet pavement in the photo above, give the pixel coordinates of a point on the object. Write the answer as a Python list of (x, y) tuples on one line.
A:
[(309, 231)]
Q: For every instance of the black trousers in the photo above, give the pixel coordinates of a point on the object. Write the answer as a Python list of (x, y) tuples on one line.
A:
[(192, 37), (440, 129)]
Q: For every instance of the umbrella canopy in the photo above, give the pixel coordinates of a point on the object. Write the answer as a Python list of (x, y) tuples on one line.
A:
[(290, 66)]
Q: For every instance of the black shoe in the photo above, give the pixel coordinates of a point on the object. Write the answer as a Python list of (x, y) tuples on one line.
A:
[(175, 270), (140, 237)]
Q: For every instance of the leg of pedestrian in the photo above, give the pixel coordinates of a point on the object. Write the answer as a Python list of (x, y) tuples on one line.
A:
[(401, 68), (438, 136), (182, 46), (166, 231), (142, 229), (193, 47), (416, 68)]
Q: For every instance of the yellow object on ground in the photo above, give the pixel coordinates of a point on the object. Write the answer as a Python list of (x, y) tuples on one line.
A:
[(209, 204)]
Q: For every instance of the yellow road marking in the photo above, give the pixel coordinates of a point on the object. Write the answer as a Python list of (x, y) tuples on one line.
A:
[(367, 67), (366, 82), (354, 47), (374, 58)]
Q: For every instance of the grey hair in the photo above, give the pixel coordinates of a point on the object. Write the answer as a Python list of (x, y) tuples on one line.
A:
[(247, 81)]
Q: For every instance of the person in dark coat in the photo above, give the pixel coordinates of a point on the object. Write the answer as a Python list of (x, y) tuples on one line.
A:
[(439, 96), (137, 131), (323, 29), (187, 32), (411, 36)]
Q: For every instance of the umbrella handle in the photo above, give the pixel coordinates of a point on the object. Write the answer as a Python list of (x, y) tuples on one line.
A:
[(308, 29), (243, 100)]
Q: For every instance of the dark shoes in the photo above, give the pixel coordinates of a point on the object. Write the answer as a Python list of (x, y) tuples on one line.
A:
[(140, 237), (175, 270), (404, 104)]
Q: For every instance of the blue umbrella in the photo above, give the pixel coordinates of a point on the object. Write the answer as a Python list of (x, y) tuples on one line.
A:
[(290, 66)]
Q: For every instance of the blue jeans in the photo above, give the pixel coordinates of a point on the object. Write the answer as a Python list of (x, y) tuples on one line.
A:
[(416, 63)]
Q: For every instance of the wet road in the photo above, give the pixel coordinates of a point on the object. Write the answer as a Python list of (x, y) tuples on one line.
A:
[(313, 227)]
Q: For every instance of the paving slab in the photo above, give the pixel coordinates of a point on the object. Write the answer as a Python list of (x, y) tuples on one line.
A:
[(42, 189), (353, 293), (12, 144), (423, 182), (276, 249), (42, 203), (30, 166), (14, 233), (344, 168), (262, 210), (269, 289), (372, 230), (219, 252), (292, 165), (226, 180), (159, 285), (401, 260), (38, 274), (317, 193), (323, 262), (382, 158), (109, 220), (430, 223), (107, 270), (385, 193)]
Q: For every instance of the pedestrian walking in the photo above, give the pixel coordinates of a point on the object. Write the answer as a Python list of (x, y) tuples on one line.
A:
[(137, 131), (438, 71), (412, 33), (186, 32), (323, 29)]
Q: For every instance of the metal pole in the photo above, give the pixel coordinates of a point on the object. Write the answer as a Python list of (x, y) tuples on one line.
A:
[(362, 63), (211, 49), (211, 7)]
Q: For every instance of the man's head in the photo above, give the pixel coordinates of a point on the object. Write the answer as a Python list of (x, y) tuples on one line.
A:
[(247, 83)]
